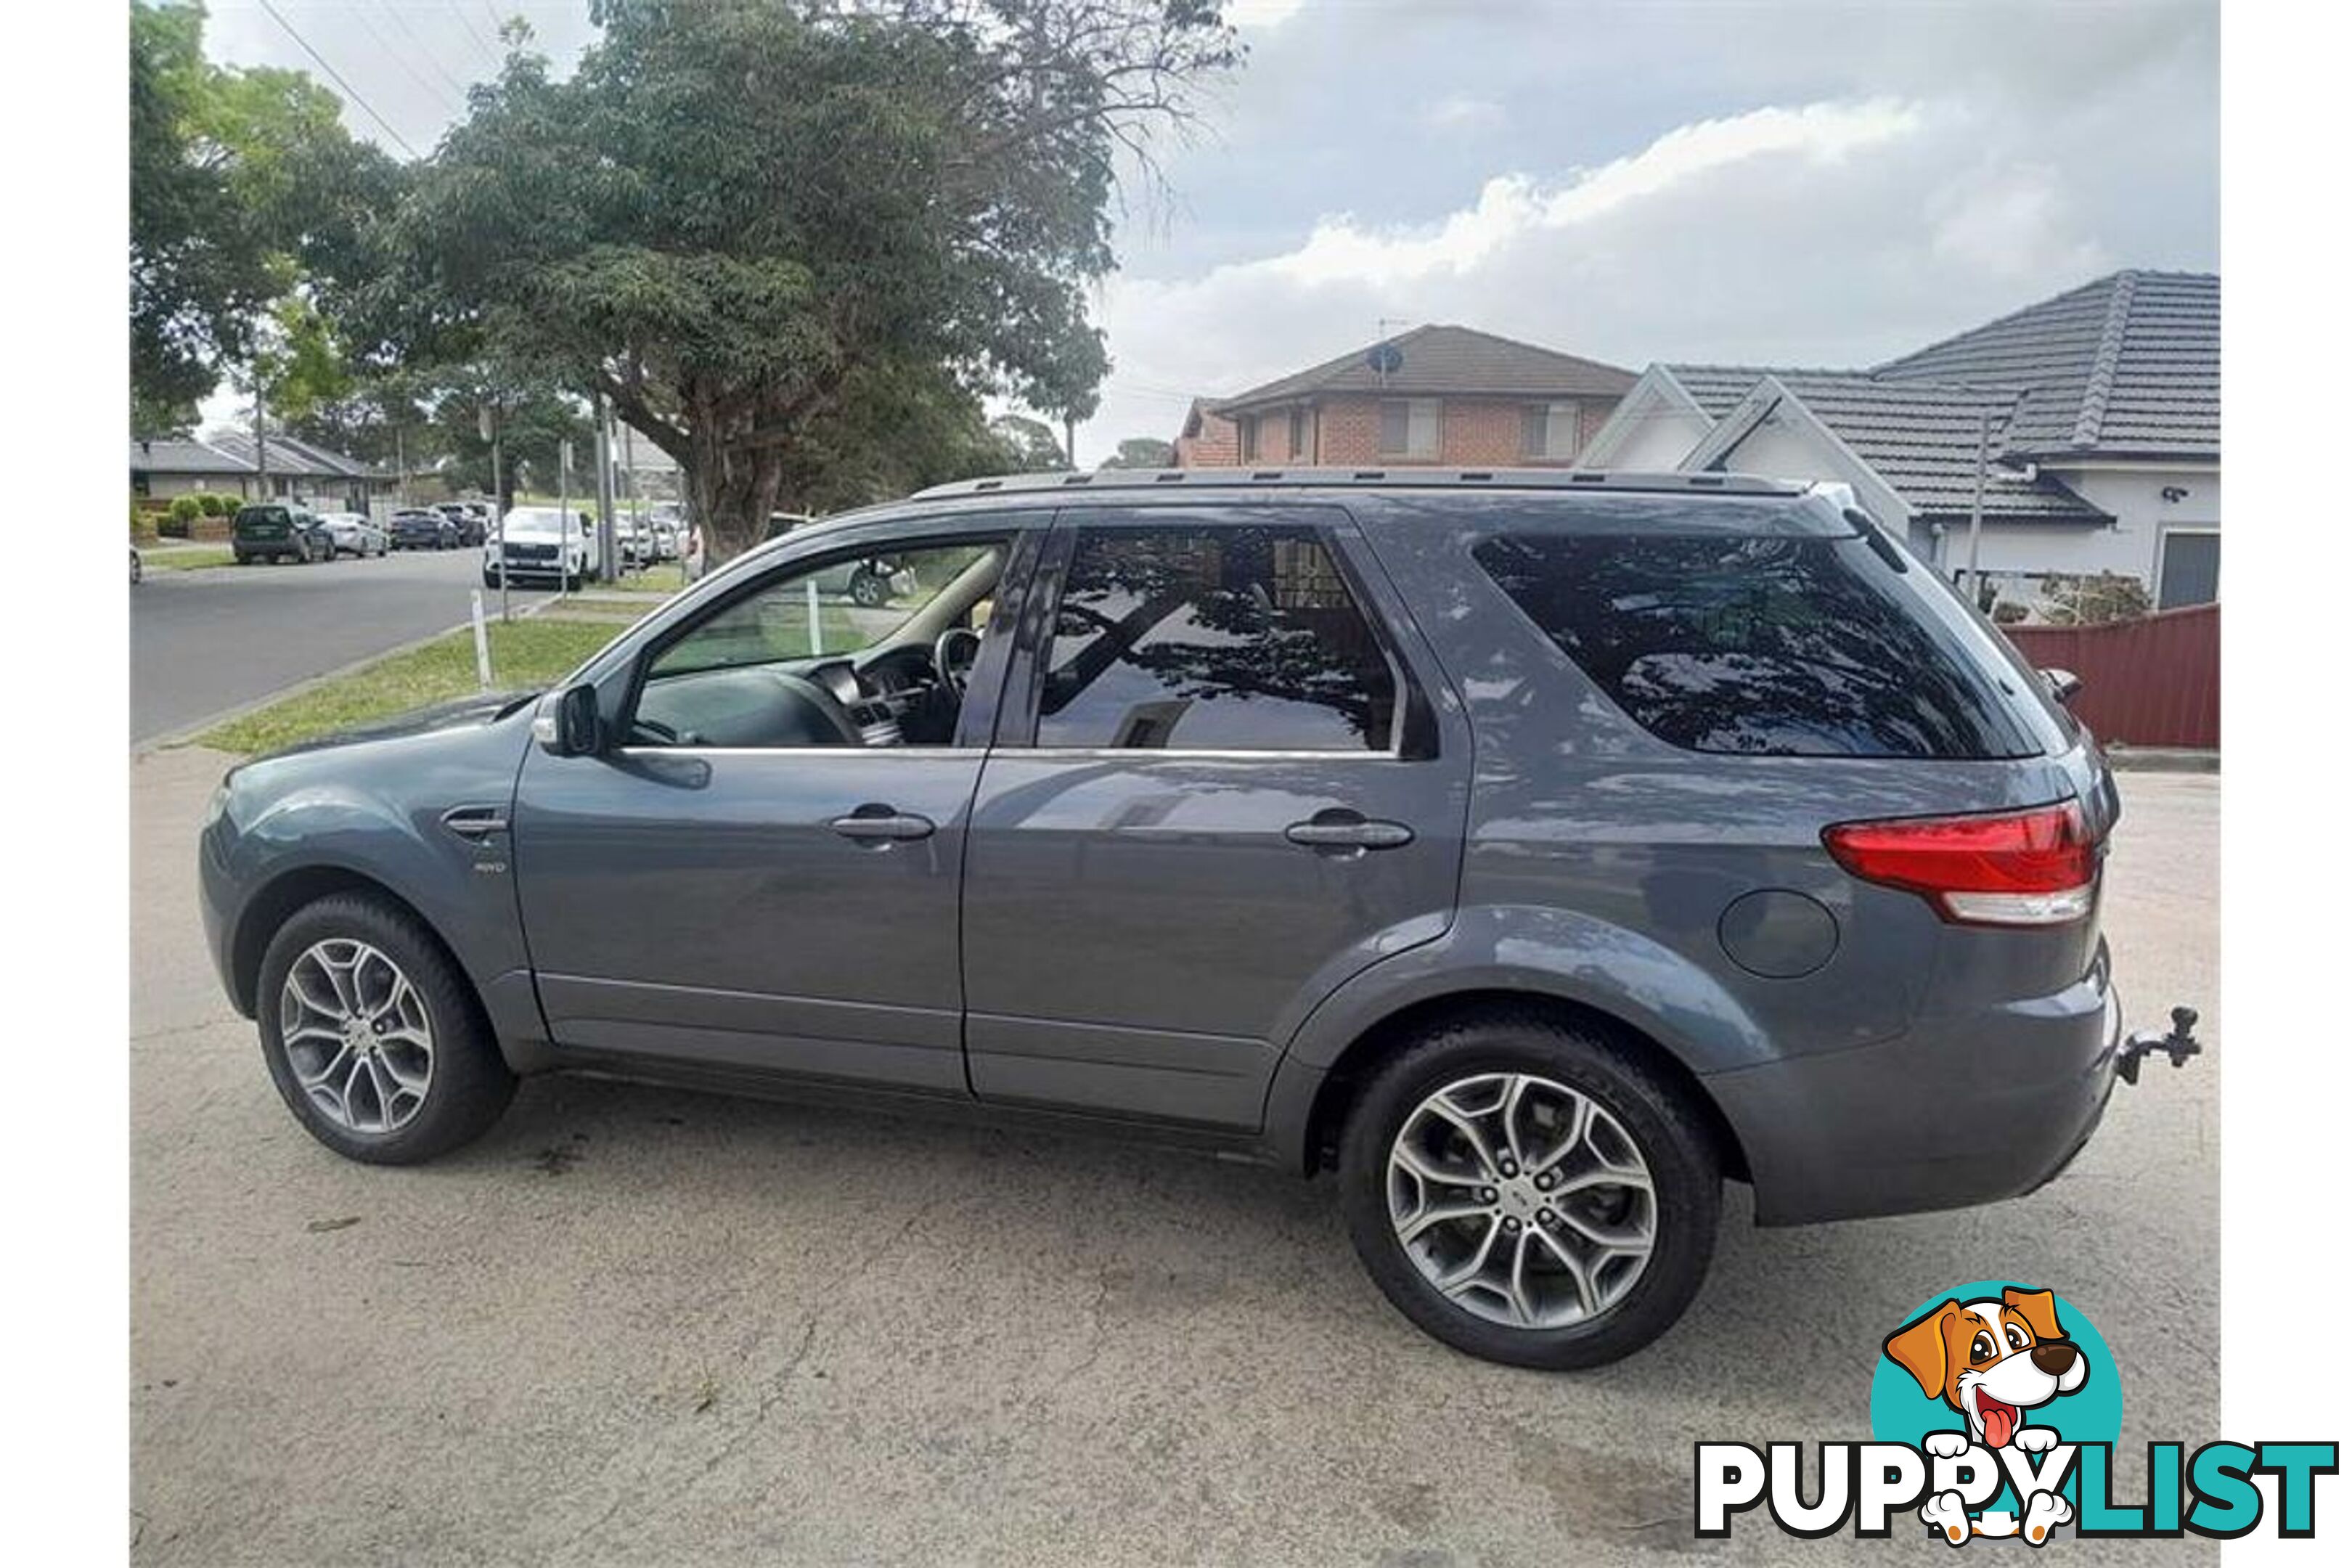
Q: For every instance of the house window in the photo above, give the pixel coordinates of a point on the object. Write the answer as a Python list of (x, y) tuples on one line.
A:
[(1409, 427), (1247, 424), (1299, 431), (1548, 431)]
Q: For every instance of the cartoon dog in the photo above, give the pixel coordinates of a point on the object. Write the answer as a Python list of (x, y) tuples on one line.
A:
[(1992, 1361)]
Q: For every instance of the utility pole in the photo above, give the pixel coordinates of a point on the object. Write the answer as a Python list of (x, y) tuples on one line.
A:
[(608, 552), (260, 440), (1976, 508), (563, 515), (400, 459), (1070, 442), (629, 469), (498, 504)]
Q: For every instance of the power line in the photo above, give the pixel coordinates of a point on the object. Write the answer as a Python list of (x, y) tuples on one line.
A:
[(423, 48), (336, 77), (489, 55), (385, 45)]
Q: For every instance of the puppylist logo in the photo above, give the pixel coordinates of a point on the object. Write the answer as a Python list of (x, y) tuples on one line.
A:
[(1994, 1413)]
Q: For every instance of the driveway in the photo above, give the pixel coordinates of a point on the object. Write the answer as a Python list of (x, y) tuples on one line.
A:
[(205, 642), (652, 1327)]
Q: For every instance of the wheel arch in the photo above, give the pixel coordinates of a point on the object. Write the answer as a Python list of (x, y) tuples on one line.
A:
[(1336, 1090), (276, 901)]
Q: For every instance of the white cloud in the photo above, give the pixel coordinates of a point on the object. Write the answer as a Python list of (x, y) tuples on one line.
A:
[(1463, 112), (2012, 222), (1821, 233), (1510, 206), (1260, 13)]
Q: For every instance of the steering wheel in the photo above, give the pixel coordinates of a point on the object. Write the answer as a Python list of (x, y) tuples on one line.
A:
[(944, 655)]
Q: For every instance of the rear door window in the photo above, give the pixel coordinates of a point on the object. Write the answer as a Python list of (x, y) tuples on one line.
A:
[(1775, 646), (1229, 638)]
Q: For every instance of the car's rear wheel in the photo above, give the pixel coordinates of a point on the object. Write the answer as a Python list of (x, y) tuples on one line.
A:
[(867, 588), (373, 1036), (1530, 1191)]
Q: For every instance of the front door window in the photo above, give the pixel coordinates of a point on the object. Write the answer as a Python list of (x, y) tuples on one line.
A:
[(870, 647)]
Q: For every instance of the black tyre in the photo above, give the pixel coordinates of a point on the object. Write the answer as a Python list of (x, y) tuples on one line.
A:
[(373, 1037), (867, 588), (1529, 1192), (489, 579)]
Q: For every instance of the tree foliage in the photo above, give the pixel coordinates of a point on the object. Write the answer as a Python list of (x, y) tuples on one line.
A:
[(794, 240), (1142, 452), (1029, 445), (245, 187)]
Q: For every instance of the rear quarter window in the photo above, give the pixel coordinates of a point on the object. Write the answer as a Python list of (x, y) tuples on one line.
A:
[(1768, 647)]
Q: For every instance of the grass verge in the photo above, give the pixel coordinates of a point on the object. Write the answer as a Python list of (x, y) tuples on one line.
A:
[(524, 653), (185, 558)]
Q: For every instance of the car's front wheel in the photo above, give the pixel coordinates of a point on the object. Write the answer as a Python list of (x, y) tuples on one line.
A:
[(1529, 1191), (375, 1039)]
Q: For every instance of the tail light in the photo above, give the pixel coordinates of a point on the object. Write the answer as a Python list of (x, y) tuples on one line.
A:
[(2034, 868)]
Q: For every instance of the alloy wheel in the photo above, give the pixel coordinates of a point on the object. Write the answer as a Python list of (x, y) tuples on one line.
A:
[(357, 1035), (1522, 1200)]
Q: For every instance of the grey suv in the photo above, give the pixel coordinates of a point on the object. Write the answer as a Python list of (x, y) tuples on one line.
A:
[(1535, 850)]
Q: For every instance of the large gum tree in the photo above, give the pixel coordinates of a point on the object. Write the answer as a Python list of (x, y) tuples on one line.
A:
[(739, 217)]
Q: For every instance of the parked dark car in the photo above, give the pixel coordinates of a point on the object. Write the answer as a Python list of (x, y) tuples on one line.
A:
[(865, 583), (471, 517), (422, 528), (274, 530), (1532, 849)]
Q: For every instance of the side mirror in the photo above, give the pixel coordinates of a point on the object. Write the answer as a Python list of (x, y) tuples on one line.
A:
[(2064, 683), (567, 723)]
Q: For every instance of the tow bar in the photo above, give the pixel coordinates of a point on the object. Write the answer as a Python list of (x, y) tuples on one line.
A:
[(2179, 1044)]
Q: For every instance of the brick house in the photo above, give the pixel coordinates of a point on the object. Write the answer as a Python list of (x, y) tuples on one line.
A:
[(1208, 439), (1436, 395)]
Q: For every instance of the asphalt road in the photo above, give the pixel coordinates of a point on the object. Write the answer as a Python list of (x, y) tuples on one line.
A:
[(203, 643), (649, 1327)]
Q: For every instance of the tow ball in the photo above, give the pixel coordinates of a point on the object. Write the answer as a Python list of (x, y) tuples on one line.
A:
[(2179, 1044)]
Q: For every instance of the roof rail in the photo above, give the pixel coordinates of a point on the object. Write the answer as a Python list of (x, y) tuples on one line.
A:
[(1668, 481)]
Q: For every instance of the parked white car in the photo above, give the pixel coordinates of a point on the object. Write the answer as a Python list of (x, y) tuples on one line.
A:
[(355, 535), (542, 544)]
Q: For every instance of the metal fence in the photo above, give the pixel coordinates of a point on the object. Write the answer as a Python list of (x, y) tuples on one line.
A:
[(2155, 681)]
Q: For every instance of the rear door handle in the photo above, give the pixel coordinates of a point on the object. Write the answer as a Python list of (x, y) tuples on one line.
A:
[(1344, 830), (881, 825)]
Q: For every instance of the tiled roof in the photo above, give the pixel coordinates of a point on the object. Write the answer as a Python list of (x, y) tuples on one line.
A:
[(289, 456), (1457, 360), (165, 456), (1920, 436), (2129, 365)]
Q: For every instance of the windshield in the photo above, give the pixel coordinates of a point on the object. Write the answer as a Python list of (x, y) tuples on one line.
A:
[(544, 522), (836, 607)]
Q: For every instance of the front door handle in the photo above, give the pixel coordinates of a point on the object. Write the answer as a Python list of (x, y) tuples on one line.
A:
[(1343, 830), (882, 824)]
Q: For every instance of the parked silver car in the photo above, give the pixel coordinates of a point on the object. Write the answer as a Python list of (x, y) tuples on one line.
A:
[(355, 535)]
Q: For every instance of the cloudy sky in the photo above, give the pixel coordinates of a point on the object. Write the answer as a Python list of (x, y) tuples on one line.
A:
[(1757, 180)]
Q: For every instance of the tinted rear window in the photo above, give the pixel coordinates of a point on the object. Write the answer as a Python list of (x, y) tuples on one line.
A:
[(1799, 647)]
